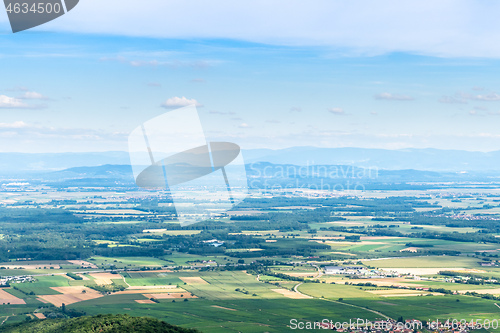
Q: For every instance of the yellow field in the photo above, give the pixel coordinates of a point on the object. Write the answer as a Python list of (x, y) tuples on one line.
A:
[(181, 232), (104, 278), (290, 294), (70, 295), (166, 287), (5, 298), (171, 232), (193, 280), (311, 274), (83, 263), (221, 307), (493, 291), (156, 291)]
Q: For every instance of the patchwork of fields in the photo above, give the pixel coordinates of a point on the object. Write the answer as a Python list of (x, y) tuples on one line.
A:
[(402, 256)]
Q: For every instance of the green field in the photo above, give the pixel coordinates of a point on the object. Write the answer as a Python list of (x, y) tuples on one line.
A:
[(128, 261), (425, 262), (184, 259), (43, 284), (286, 240), (258, 315), (432, 307), (151, 279), (334, 291), (223, 285)]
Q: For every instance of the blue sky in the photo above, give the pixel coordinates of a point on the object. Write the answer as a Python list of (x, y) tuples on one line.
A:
[(264, 76)]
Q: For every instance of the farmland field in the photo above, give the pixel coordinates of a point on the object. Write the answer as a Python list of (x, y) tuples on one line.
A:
[(151, 279), (426, 262), (256, 272)]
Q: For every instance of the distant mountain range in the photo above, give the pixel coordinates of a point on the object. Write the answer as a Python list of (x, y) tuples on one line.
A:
[(14, 163), (417, 159), (266, 175), (404, 159)]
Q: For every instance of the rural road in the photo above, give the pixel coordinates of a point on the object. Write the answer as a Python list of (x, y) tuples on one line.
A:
[(5, 320), (320, 273), (329, 300)]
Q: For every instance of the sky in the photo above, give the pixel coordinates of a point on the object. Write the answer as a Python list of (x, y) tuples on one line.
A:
[(263, 74)]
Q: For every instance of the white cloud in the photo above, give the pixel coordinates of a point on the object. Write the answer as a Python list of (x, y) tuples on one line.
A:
[(7, 102), (337, 111), (18, 88), (33, 95), (463, 98), (34, 131), (443, 28), (244, 125), (230, 113), (393, 97), (457, 99), (165, 61), (14, 125), (489, 97), (140, 63), (178, 102)]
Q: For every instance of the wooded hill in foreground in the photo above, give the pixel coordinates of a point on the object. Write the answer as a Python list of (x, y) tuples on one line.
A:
[(101, 323)]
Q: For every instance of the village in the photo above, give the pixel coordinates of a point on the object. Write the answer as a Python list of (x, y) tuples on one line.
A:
[(7, 280)]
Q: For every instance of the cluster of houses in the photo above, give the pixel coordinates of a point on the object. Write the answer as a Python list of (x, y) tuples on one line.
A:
[(488, 264), (470, 279), (359, 271), (461, 216), (7, 280)]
